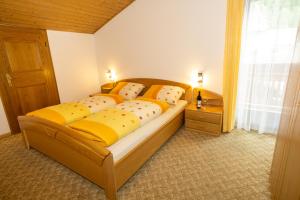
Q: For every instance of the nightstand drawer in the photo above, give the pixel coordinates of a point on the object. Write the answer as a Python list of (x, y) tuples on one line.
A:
[(203, 116), (203, 126)]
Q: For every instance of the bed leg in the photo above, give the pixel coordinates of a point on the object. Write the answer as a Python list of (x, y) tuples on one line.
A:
[(25, 140), (110, 182)]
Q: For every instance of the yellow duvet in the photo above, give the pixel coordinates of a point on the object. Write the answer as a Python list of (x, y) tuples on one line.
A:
[(109, 125), (68, 112)]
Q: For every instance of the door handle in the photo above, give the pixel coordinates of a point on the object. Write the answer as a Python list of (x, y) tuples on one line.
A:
[(9, 79)]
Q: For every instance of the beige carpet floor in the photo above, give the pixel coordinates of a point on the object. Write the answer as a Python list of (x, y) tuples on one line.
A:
[(190, 166)]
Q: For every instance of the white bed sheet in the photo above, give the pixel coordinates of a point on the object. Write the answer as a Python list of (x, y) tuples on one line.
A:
[(126, 144)]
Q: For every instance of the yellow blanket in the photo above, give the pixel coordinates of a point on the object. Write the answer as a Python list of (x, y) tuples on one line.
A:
[(68, 112), (109, 125)]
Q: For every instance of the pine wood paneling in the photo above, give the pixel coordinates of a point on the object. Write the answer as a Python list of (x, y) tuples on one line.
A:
[(85, 16)]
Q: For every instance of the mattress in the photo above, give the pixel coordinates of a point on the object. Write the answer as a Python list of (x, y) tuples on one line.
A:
[(126, 144)]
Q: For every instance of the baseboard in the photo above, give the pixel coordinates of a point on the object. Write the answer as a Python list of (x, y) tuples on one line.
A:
[(4, 135)]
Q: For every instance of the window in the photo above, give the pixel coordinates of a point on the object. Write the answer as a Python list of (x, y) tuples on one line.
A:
[(269, 33)]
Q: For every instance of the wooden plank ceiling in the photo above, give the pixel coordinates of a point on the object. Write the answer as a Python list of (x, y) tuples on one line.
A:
[(84, 16)]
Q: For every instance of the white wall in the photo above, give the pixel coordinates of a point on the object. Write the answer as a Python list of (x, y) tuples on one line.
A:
[(166, 39), (4, 128), (75, 65)]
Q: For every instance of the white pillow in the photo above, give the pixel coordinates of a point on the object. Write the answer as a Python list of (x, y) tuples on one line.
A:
[(170, 94), (131, 90)]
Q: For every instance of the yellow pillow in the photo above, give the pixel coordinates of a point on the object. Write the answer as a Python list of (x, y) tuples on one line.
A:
[(152, 91), (118, 87)]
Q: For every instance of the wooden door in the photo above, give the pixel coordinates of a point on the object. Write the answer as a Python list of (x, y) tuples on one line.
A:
[(290, 189), (285, 172), (27, 80)]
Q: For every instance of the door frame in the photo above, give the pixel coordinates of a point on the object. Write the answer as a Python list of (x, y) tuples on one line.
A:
[(4, 94)]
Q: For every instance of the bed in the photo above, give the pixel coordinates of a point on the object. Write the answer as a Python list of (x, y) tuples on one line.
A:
[(108, 167)]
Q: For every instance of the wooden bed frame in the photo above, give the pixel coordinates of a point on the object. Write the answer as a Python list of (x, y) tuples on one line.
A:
[(90, 159)]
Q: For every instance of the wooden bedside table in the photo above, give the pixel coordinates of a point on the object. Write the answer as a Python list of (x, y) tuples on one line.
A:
[(106, 88), (94, 94), (207, 119)]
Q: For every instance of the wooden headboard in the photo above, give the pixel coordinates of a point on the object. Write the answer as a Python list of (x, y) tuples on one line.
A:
[(151, 81)]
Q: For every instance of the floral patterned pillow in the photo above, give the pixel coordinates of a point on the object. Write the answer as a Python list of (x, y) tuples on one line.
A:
[(131, 90), (170, 94)]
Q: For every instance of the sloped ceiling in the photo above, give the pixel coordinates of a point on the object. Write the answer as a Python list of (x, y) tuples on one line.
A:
[(84, 16)]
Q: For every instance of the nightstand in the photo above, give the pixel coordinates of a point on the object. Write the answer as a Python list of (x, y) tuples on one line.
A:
[(206, 120), (94, 94), (106, 88)]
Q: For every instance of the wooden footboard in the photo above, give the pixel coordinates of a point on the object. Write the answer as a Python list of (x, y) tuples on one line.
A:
[(87, 158)]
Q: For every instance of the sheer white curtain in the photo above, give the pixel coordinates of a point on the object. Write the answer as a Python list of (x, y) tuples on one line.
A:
[(269, 33)]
